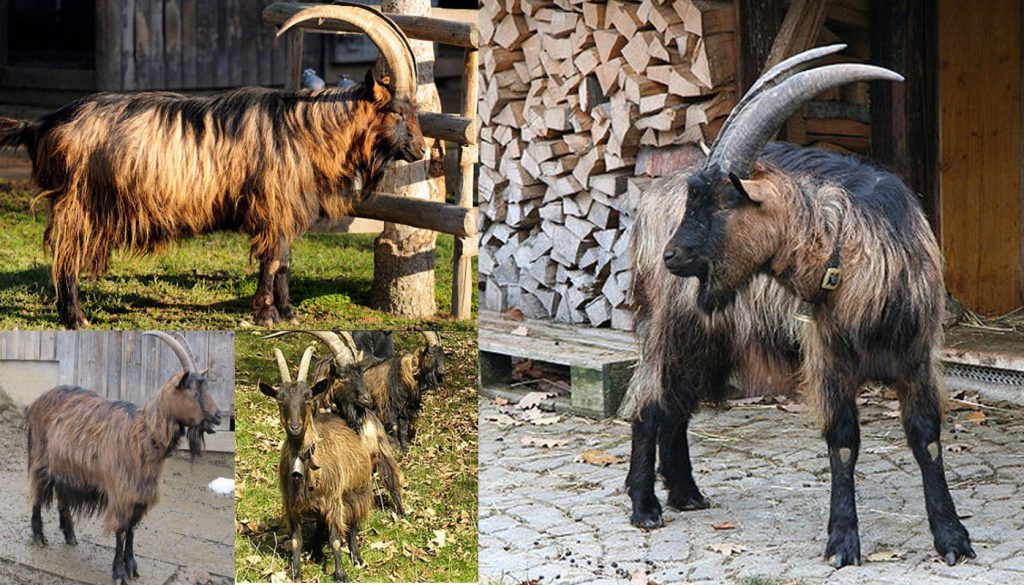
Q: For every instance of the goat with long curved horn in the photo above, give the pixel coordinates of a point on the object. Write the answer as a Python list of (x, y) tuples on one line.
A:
[(188, 363), (282, 366), (747, 133), (383, 31)]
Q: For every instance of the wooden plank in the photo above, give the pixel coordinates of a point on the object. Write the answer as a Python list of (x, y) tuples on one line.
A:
[(465, 246), (798, 31), (189, 45), (980, 153), (67, 356), (158, 75), (47, 78), (293, 60), (252, 26), (263, 34), (757, 24), (458, 129), (113, 364), (222, 53), (48, 345), (173, 39), (108, 45), (431, 215), (206, 46), (142, 49), (438, 30), (236, 61), (127, 20)]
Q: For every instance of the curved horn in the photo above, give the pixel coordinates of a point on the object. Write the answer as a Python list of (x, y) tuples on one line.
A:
[(357, 353), (340, 347), (431, 337), (782, 71), (383, 31), (282, 366), (184, 356), (762, 118), (304, 364)]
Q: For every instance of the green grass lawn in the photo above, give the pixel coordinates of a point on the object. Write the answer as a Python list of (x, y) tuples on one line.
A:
[(200, 283), (435, 541)]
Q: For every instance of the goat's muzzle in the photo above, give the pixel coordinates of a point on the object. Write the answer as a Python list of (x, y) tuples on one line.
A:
[(414, 151), (682, 261), (211, 423)]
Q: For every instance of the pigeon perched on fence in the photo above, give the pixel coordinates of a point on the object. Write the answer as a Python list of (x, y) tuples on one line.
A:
[(345, 81), (310, 80)]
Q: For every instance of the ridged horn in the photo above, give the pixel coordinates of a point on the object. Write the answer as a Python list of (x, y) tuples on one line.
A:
[(188, 363), (383, 31), (432, 338), (775, 75), (758, 122), (307, 356), (282, 367)]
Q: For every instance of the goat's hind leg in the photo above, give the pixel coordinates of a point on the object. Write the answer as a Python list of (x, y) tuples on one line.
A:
[(353, 544), (67, 523), (920, 403), (120, 576), (842, 433), (676, 468), (316, 547), (339, 570), (263, 309), (44, 491), (282, 298)]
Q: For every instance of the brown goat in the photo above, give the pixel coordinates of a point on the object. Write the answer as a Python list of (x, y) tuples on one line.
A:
[(324, 470), (140, 171), (97, 455)]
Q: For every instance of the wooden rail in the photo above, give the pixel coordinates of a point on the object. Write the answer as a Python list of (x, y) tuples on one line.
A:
[(458, 28)]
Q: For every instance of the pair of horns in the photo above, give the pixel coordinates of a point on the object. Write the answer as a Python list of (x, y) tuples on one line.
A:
[(432, 338), (342, 346), (179, 347), (282, 365), (774, 97), (383, 31)]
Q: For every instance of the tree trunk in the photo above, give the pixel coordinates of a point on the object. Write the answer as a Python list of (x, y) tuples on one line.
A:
[(403, 276)]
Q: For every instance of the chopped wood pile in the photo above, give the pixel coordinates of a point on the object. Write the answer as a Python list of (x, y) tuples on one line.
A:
[(581, 104)]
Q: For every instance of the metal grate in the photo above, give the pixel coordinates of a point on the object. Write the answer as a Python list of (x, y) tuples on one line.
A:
[(985, 374)]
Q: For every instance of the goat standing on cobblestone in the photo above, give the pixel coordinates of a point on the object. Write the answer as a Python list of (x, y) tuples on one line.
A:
[(768, 234)]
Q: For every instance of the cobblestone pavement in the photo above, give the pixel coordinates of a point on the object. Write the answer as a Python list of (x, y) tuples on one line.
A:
[(545, 516)]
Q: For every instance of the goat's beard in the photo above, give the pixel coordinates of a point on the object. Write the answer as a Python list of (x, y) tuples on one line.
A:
[(196, 436), (711, 298)]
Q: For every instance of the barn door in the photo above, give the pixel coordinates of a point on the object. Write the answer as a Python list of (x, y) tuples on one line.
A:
[(980, 151)]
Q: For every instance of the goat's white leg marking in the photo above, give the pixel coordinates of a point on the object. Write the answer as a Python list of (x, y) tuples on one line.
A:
[(844, 454), (933, 450)]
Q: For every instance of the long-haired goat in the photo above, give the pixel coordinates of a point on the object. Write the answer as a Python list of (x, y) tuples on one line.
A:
[(770, 235), (347, 396), (396, 386), (324, 468), (378, 344), (95, 455), (140, 171)]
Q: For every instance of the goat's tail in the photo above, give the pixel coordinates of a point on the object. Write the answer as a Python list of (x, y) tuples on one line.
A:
[(14, 133), (385, 456)]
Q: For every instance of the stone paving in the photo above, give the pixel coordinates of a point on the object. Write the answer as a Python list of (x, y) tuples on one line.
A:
[(547, 517)]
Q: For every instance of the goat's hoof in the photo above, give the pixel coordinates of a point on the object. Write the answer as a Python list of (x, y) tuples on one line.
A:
[(267, 316), (131, 568), (953, 543), (357, 561), (689, 503), (843, 548), (647, 519), (39, 540), (70, 541), (340, 577)]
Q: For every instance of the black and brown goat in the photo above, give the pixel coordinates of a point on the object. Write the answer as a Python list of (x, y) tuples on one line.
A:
[(324, 469), (347, 396), (765, 234), (100, 456), (140, 171), (396, 386)]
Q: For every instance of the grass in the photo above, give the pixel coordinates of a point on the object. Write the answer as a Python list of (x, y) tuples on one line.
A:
[(440, 494), (200, 283)]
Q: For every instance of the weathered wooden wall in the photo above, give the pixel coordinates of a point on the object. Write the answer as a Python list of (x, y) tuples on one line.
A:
[(185, 44), (125, 365)]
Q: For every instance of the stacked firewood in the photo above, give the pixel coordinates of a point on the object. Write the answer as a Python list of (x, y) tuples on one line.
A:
[(581, 103)]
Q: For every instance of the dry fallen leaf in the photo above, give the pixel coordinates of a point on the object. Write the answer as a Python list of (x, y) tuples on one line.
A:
[(727, 548), (882, 556), (957, 447), (794, 407), (598, 457), (521, 330), (513, 314), (547, 420), (746, 401), (279, 577), (724, 526), (639, 577), (500, 400), (533, 399), (543, 443), (975, 416)]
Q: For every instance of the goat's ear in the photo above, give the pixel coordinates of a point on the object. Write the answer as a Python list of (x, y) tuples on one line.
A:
[(320, 386), (268, 390), (378, 93), (756, 190)]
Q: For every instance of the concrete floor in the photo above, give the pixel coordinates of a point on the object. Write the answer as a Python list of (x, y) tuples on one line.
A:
[(187, 535)]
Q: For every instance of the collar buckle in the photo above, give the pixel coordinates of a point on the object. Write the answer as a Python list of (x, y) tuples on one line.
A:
[(833, 276)]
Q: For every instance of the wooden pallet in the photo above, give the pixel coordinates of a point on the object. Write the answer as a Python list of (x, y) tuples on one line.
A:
[(600, 361)]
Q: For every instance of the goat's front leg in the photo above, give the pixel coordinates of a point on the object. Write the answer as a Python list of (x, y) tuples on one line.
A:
[(922, 420), (676, 468), (263, 309), (296, 568), (842, 433), (339, 570), (119, 574), (316, 548), (640, 479), (282, 298), (131, 568), (353, 544), (69, 308)]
